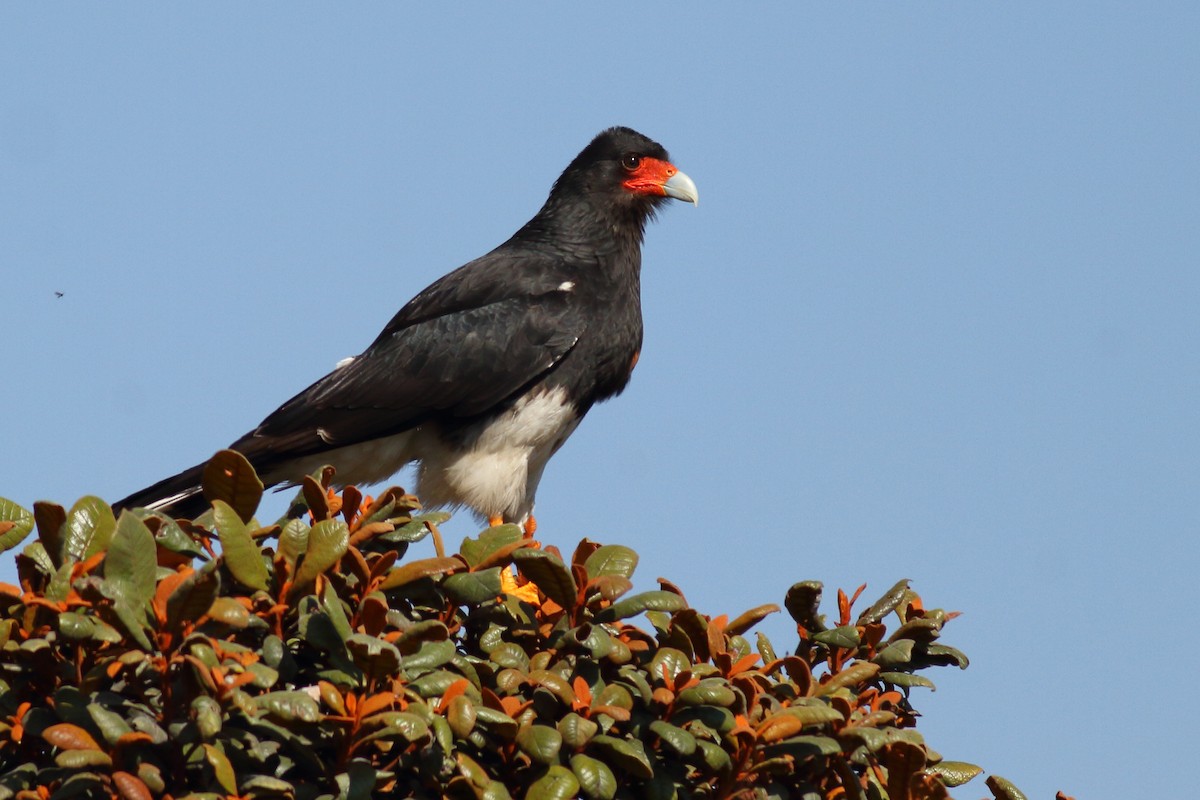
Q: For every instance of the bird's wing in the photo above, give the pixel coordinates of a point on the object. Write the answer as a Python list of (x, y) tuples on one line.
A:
[(459, 364)]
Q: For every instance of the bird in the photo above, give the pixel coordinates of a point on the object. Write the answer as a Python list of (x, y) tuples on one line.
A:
[(481, 377)]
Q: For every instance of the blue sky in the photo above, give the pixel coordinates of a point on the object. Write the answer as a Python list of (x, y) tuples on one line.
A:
[(935, 316)]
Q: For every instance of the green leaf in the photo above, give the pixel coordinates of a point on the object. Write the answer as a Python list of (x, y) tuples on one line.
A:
[(611, 559), (192, 599), (227, 611), (222, 769), (944, 655), (431, 655), (627, 755), (75, 627), (808, 746), (850, 677), (657, 600), (402, 725), (207, 713), (415, 570), (803, 600), (22, 524), (242, 556), (327, 543), (559, 783), (490, 541), (675, 661), (112, 726), (130, 568), (895, 654), (749, 619), (709, 692), (954, 773), (595, 778), (577, 731), (906, 680), (293, 540), (1003, 789), (473, 588), (715, 757), (372, 655), (497, 722), (461, 716), (765, 648), (886, 604), (290, 706), (811, 711), (846, 636), (82, 759), (59, 587), (549, 573), (540, 742), (674, 737), (335, 612), (88, 528), (229, 478)]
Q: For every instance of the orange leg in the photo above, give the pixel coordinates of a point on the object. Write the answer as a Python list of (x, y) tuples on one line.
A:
[(495, 520), (530, 527)]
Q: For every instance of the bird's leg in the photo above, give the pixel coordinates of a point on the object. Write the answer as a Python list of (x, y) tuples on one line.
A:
[(529, 526)]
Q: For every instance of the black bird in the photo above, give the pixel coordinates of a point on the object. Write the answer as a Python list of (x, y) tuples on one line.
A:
[(482, 376)]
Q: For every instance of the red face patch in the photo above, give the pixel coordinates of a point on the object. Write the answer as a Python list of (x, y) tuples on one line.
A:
[(647, 175)]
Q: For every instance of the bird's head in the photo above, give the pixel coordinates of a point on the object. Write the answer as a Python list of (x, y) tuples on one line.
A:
[(627, 169)]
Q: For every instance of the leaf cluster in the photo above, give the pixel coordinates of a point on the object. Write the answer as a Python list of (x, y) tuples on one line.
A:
[(150, 657)]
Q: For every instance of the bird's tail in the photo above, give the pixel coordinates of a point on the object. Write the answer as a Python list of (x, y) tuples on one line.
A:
[(179, 495)]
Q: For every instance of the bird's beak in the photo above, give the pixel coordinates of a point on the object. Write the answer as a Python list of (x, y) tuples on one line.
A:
[(657, 177), (681, 187)]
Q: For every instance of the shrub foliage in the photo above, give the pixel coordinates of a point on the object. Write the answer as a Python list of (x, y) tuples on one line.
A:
[(150, 657)]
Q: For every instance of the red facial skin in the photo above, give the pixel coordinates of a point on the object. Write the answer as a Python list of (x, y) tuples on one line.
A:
[(649, 176)]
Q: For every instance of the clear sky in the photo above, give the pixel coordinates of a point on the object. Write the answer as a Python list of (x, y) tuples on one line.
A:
[(934, 318)]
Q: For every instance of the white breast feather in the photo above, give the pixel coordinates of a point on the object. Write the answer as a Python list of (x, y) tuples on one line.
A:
[(499, 470)]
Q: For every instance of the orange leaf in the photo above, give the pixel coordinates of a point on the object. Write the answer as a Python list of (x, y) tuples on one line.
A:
[(132, 737), (583, 692), (130, 787), (744, 663), (377, 702), (452, 691), (66, 736), (513, 706), (616, 712), (780, 726)]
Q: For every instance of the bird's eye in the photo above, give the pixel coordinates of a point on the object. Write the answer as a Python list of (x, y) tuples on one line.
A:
[(630, 161)]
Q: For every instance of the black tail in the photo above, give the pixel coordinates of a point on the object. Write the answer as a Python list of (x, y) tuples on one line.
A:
[(179, 495)]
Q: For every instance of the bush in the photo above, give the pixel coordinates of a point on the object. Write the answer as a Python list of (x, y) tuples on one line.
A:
[(305, 659)]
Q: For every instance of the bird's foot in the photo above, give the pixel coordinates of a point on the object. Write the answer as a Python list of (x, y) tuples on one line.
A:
[(529, 526)]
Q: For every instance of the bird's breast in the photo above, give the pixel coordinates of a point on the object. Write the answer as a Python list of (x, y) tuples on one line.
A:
[(493, 465)]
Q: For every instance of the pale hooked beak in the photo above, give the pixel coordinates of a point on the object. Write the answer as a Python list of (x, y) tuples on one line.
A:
[(681, 187)]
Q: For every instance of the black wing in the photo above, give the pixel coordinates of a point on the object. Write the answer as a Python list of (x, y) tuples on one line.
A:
[(458, 364)]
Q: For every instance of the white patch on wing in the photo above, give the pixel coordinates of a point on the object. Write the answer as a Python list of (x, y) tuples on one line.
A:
[(498, 470), (175, 498), (566, 286), (344, 362)]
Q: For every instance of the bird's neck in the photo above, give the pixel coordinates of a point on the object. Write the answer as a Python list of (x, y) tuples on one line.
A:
[(575, 222)]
